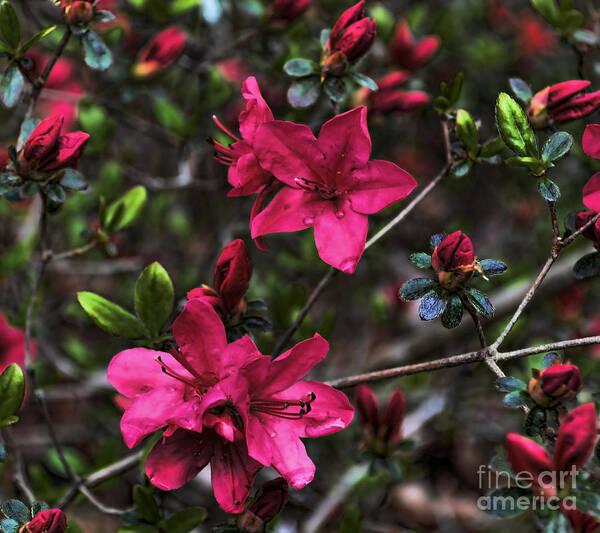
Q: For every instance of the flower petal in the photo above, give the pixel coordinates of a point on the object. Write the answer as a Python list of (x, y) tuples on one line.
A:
[(258, 441), (340, 236), (591, 140), (576, 438), (177, 459), (525, 455), (136, 371), (591, 193), (379, 185), (257, 111)]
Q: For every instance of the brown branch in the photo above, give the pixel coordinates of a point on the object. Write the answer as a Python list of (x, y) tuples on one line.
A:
[(19, 478)]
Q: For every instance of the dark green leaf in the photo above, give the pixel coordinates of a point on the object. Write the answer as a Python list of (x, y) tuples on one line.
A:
[(436, 239), (420, 260), (111, 317), (9, 526), (453, 313), (510, 384), (104, 16), (146, 504), (16, 510), (96, 53), (466, 131), (8, 182), (514, 128), (12, 393), (417, 288), (500, 464), (305, 92), (548, 189), (432, 305), (588, 502), (55, 193), (535, 421), (549, 359), (462, 168), (9, 25), (587, 266), (37, 507), (351, 520), (12, 85), (36, 38), (168, 114), (548, 10), (571, 20), (154, 297), (557, 146), (521, 90), (492, 267), (299, 67), (364, 81), (492, 147), (258, 323), (324, 37), (502, 502), (515, 399), (440, 104), (73, 179), (455, 88), (256, 305), (559, 523), (480, 302), (2, 453), (29, 189), (185, 520), (123, 212), (336, 89)]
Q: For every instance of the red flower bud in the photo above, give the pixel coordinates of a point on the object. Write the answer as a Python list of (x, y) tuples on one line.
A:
[(211, 297), (525, 455), (160, 53), (368, 409), (289, 9), (386, 429), (267, 503), (453, 259), (592, 232), (43, 139), (393, 418), (576, 438), (591, 140), (232, 275), (410, 54), (77, 11), (352, 35), (562, 102), (49, 521), (581, 522), (591, 193), (561, 382)]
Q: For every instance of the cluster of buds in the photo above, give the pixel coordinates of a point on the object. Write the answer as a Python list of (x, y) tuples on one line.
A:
[(556, 384), (231, 279), (561, 103), (48, 521), (289, 9), (350, 39), (390, 97), (453, 260), (48, 150), (383, 429), (78, 11), (266, 505), (161, 52), (411, 54)]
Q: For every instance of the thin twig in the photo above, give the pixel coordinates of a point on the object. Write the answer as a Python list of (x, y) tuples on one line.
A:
[(19, 478)]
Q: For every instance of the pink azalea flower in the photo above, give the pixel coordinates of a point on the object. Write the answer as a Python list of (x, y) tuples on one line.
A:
[(330, 184), (591, 146), (245, 173), (12, 345), (226, 404)]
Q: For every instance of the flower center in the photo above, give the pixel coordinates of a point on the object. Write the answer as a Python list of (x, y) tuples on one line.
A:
[(197, 382), (326, 192), (288, 409), (223, 154)]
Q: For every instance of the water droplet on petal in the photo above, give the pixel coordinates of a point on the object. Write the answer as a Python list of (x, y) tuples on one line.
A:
[(308, 221), (340, 213)]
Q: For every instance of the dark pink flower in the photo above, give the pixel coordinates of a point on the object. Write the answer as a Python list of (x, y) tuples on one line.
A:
[(591, 140), (12, 345), (390, 98), (409, 53), (330, 184), (454, 259), (591, 193), (289, 9), (268, 502), (48, 521), (160, 53), (557, 383), (581, 522), (534, 38), (385, 426), (562, 102), (245, 173)]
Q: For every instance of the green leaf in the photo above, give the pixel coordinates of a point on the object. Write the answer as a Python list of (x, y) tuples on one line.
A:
[(111, 317), (2, 453), (351, 520), (336, 89), (304, 92), (549, 359), (492, 267), (533, 164), (514, 128), (364, 81), (103, 15), (9, 526), (521, 90), (588, 502), (96, 53), (73, 179), (455, 88), (8, 182), (462, 168), (420, 260), (29, 189), (37, 507), (123, 212), (37, 37), (185, 520), (324, 37), (571, 20), (492, 147), (12, 393), (16, 510), (510, 384), (587, 266), (548, 189), (548, 10), (55, 193), (154, 297), (432, 305), (515, 399), (466, 131), (502, 502), (9, 25), (146, 504), (557, 146), (453, 313), (417, 288), (299, 67), (558, 524), (535, 421), (12, 85), (480, 302), (169, 115)]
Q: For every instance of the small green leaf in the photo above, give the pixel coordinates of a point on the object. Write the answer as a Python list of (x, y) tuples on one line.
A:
[(364, 81), (480, 302), (123, 212), (587, 266), (417, 288), (492, 267), (73, 179), (521, 90), (535, 421), (9, 526), (12, 85), (420, 260), (12, 393), (466, 131), (8, 182), (515, 399), (111, 317), (36, 38), (510, 384), (514, 128), (452, 316), (16, 510), (336, 89), (146, 504), (548, 189), (299, 67), (104, 16), (432, 305), (492, 148), (548, 10), (96, 53), (29, 189), (56, 193), (37, 507), (462, 168), (154, 297), (502, 502), (324, 37), (549, 359), (455, 88), (9, 25), (304, 92), (185, 520), (169, 115), (588, 502), (557, 146)]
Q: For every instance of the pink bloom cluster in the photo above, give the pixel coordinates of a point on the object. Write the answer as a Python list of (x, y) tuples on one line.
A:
[(327, 183), (591, 190), (227, 405)]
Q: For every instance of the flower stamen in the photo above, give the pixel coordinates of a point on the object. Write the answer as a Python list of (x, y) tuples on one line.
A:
[(279, 408)]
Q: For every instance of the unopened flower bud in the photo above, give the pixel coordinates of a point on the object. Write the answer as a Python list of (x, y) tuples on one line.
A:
[(368, 409), (454, 260), (232, 275), (393, 418), (160, 53), (78, 11), (557, 383), (267, 503), (410, 54), (49, 521), (289, 9)]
